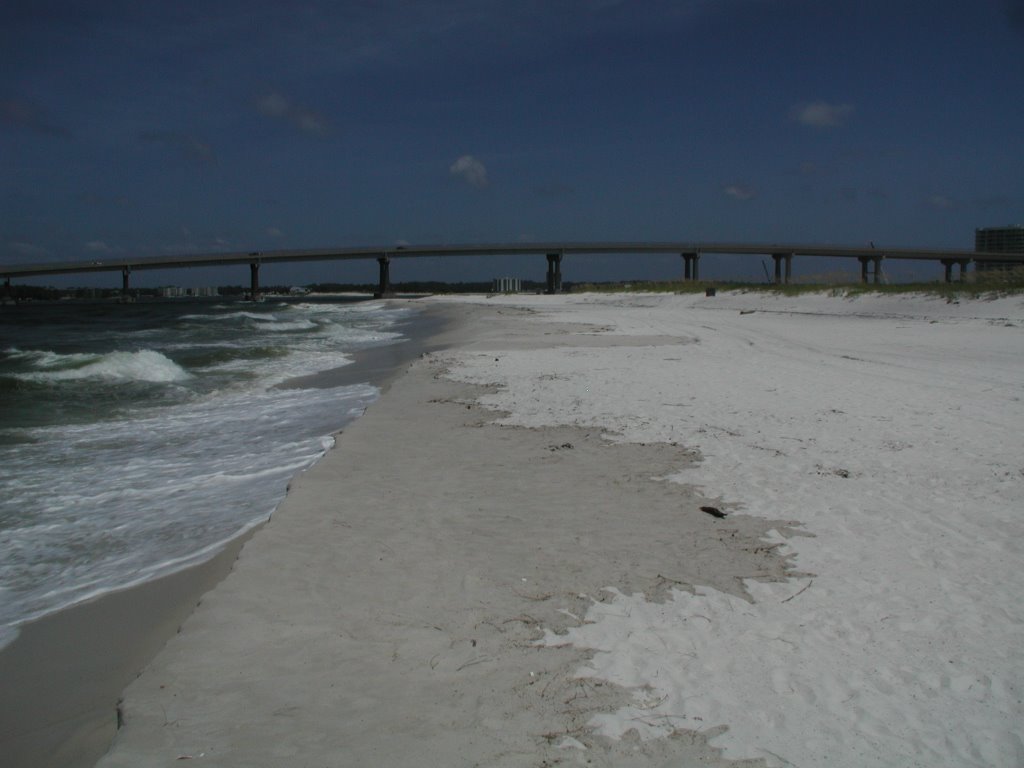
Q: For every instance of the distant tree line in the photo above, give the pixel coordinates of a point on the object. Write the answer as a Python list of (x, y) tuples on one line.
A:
[(32, 292), (418, 286), (23, 292)]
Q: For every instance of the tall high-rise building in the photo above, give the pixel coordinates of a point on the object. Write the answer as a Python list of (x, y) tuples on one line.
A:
[(998, 240), (506, 285)]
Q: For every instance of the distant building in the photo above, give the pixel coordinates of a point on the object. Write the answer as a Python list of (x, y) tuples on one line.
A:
[(506, 285), (998, 240), (177, 292)]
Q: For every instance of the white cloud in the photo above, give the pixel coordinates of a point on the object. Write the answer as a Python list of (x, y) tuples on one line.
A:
[(275, 104), (28, 249), (311, 122), (97, 246), (821, 114), (739, 192), (189, 146), (470, 170), (941, 202), (31, 116)]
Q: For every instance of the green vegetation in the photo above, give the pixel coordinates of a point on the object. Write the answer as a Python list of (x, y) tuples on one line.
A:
[(422, 286), (988, 284), (979, 284), (25, 292)]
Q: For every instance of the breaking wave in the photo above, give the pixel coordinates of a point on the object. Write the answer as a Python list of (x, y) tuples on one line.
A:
[(144, 365)]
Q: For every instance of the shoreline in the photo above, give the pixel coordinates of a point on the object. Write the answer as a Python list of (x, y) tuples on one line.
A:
[(63, 672), (391, 612)]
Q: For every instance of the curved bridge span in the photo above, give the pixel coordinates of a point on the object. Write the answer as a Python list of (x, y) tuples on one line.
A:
[(782, 254)]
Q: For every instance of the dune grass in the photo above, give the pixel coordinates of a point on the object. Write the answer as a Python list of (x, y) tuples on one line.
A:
[(977, 285)]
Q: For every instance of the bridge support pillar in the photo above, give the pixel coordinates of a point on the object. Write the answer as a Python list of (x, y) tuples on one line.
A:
[(125, 273), (777, 258), (384, 279), (691, 266), (783, 275), (875, 271), (254, 281), (6, 297), (948, 264), (554, 277)]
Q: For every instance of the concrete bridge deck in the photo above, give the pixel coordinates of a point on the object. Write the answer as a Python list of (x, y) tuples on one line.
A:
[(782, 254)]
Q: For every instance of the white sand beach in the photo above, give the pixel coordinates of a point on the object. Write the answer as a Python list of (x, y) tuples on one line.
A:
[(505, 562)]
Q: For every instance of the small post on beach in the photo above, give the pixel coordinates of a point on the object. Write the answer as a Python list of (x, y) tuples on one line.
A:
[(254, 281), (554, 276), (384, 282)]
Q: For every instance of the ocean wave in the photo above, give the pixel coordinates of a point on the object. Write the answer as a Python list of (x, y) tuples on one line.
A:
[(225, 316), (143, 365), (267, 321), (110, 477), (43, 358), (295, 325)]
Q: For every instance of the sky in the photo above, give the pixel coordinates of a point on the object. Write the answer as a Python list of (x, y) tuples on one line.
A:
[(151, 128)]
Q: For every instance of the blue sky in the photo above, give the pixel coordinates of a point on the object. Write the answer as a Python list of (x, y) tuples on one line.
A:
[(145, 128)]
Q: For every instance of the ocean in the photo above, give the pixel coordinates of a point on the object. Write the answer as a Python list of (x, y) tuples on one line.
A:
[(135, 439)]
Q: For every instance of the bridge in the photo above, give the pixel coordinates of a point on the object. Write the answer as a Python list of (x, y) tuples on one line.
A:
[(870, 258)]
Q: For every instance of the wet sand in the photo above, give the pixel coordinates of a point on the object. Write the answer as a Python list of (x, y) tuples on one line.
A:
[(64, 674)]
